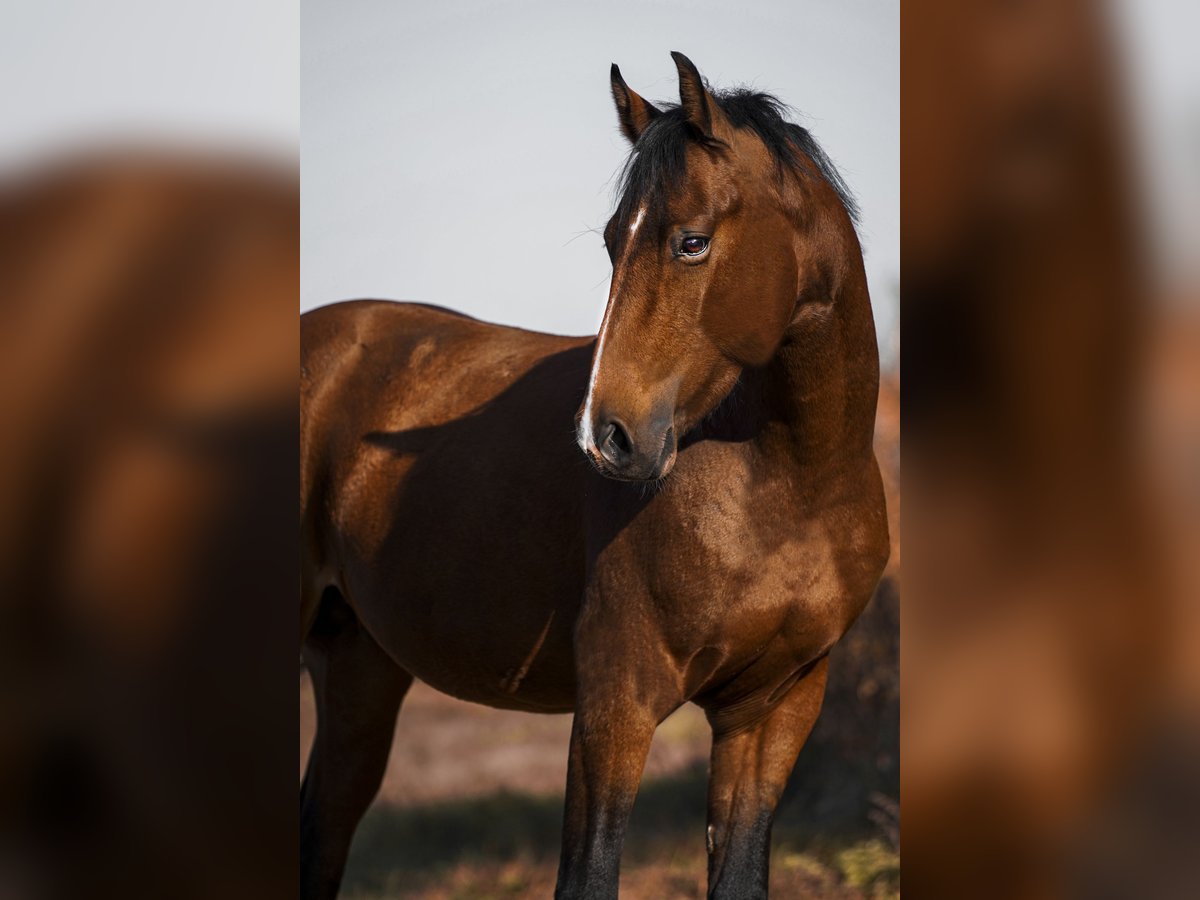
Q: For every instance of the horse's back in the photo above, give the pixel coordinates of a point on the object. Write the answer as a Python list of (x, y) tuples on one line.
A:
[(441, 489), (369, 367), (394, 340), (331, 335)]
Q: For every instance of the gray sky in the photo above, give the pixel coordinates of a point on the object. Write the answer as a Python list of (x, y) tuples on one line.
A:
[(457, 153), (1163, 69), (196, 74)]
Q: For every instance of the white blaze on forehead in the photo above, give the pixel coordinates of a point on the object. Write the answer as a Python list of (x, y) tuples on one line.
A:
[(637, 220), (586, 437)]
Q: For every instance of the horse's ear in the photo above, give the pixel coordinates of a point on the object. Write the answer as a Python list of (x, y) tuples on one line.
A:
[(633, 112), (694, 99)]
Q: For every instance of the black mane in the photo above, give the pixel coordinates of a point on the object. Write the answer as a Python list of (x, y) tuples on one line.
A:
[(657, 164)]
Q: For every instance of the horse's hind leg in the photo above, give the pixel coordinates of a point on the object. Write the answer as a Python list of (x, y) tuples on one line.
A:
[(358, 691), (749, 771)]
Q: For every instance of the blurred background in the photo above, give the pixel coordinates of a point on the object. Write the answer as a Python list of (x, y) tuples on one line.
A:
[(1052, 449), (149, 246)]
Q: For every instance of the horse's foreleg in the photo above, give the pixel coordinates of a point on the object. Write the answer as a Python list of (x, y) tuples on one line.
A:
[(749, 771), (358, 690), (620, 698), (609, 743)]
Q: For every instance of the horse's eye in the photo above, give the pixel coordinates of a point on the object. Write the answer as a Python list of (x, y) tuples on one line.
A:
[(693, 245)]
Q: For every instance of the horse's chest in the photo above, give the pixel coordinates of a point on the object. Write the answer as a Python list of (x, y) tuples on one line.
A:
[(749, 557)]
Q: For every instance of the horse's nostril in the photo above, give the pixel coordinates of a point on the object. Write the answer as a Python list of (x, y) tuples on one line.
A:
[(620, 438), (615, 444)]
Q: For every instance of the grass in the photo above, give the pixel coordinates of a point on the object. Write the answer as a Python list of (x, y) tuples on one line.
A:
[(505, 845)]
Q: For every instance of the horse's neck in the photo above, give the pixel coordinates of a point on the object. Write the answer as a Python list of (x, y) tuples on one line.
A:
[(813, 405), (818, 394)]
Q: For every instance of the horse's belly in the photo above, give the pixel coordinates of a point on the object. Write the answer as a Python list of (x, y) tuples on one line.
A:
[(495, 634), (468, 568), (522, 660)]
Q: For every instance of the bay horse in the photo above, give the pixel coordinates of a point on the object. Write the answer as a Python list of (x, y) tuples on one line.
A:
[(721, 529)]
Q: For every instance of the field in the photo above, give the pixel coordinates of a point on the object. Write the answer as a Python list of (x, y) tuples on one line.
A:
[(471, 805)]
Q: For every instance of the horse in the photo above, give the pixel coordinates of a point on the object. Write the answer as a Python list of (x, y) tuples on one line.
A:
[(686, 508)]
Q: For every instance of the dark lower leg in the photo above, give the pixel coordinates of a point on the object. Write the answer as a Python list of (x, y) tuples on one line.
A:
[(602, 779), (739, 853), (749, 771), (358, 690)]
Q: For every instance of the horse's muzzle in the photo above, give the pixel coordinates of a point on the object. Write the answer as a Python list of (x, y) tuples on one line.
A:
[(628, 455)]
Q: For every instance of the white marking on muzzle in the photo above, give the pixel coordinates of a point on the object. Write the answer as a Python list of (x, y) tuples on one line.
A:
[(586, 437)]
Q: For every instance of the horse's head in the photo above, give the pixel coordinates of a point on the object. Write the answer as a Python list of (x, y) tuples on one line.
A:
[(725, 219)]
